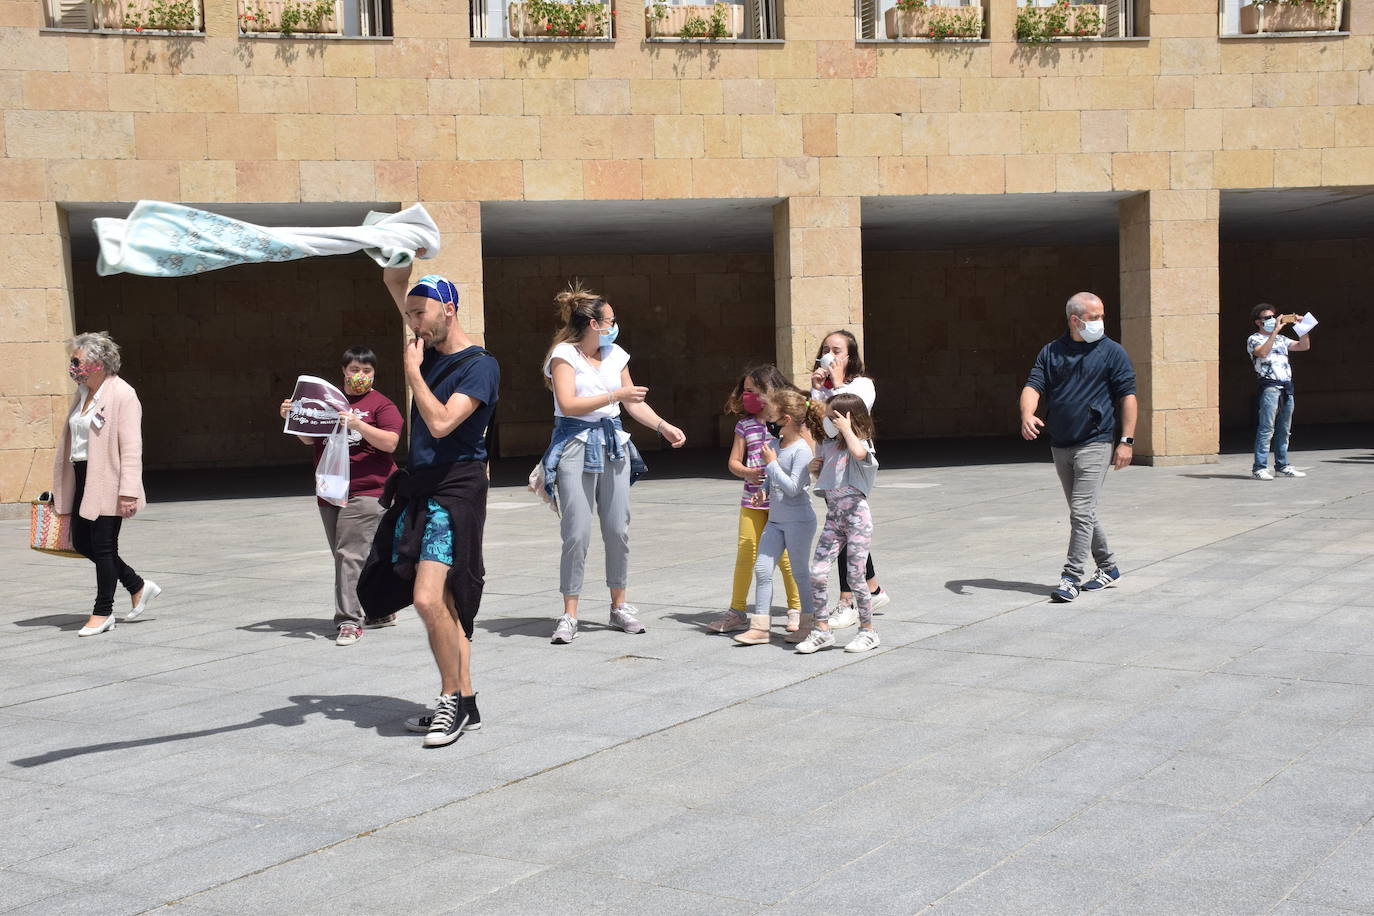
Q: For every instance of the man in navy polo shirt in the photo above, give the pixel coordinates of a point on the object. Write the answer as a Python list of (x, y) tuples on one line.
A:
[(1090, 384)]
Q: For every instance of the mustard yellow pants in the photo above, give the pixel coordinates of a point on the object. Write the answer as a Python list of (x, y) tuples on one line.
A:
[(751, 524)]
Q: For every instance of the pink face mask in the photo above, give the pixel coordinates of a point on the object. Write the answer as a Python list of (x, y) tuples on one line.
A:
[(752, 402)]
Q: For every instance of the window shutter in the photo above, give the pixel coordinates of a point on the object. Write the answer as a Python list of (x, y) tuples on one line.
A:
[(868, 18), (71, 14)]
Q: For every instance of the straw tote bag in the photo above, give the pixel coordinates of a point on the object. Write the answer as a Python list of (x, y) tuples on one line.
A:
[(49, 532)]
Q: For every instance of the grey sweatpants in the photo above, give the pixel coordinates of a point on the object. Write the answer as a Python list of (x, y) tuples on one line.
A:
[(578, 492), (349, 530), (1082, 470), (795, 538)]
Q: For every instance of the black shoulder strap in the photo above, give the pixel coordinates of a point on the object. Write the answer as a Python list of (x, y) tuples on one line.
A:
[(453, 367)]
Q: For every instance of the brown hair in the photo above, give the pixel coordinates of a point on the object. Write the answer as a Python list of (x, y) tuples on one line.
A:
[(578, 307), (1260, 309), (854, 407), (766, 379), (792, 403), (855, 367)]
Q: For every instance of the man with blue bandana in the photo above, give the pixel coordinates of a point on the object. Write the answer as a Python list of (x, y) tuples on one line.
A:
[(428, 549)]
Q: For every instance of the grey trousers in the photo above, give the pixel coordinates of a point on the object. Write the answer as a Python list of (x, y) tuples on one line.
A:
[(349, 530), (578, 493), (1082, 470), (795, 538)]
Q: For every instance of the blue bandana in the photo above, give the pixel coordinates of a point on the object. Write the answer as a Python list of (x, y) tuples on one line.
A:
[(433, 286)]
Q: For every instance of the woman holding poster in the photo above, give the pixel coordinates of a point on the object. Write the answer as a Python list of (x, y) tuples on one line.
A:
[(374, 429)]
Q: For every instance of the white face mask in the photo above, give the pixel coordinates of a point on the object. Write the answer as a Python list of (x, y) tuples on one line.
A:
[(827, 359), (831, 430), (1092, 331)]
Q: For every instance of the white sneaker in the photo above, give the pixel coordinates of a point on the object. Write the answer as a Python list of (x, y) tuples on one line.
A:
[(815, 640), (882, 599), (150, 591), (844, 615), (865, 640), (1262, 474), (565, 632), (1289, 471)]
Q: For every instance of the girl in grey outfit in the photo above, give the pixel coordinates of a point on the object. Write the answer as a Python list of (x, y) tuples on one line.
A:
[(791, 517)]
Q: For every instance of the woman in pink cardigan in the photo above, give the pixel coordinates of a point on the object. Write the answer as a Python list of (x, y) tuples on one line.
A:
[(98, 473)]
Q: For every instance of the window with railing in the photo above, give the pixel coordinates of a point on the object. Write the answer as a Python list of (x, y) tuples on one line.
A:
[(1064, 20), (587, 20), (669, 21), (1294, 17), (315, 18), (922, 20), (174, 16)]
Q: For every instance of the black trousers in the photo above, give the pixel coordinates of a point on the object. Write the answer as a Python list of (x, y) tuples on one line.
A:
[(98, 541), (844, 565)]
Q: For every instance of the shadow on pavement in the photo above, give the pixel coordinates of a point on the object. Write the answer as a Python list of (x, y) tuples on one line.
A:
[(959, 586), (294, 627), (534, 627), (56, 621), (355, 708), (1216, 476)]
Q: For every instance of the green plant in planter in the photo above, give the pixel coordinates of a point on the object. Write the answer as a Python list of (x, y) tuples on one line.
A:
[(910, 6), (1039, 25), (1321, 6), (566, 19), (713, 28), (660, 11), (305, 17), (951, 24), (163, 15)]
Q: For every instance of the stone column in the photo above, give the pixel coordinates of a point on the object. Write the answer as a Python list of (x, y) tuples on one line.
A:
[(460, 260), (817, 277), (1169, 322), (35, 319)]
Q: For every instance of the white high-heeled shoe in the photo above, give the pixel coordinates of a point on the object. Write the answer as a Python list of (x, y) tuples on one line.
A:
[(150, 591), (96, 631)]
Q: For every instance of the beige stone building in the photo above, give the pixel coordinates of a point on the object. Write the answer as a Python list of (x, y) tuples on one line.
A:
[(737, 196)]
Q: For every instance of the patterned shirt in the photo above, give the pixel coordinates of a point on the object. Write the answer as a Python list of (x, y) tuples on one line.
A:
[(754, 433), (1275, 366)]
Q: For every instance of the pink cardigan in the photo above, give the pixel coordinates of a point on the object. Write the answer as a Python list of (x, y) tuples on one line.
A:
[(114, 455)]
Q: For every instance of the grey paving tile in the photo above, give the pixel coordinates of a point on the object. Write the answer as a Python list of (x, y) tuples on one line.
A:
[(1002, 819), (1267, 857), (1024, 885), (1201, 781), (1343, 880), (20, 889), (1156, 893), (1120, 836)]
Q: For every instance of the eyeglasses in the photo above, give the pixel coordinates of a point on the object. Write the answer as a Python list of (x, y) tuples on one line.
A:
[(604, 320)]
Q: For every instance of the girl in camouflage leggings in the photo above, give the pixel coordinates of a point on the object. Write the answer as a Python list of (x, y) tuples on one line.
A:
[(846, 468)]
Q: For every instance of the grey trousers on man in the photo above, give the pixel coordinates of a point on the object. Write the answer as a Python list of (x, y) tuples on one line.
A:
[(1082, 470), (350, 529), (578, 492)]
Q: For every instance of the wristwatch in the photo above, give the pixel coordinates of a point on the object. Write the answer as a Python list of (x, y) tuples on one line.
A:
[(1127, 440)]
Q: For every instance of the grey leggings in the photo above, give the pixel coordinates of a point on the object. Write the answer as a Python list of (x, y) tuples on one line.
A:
[(795, 538), (578, 491)]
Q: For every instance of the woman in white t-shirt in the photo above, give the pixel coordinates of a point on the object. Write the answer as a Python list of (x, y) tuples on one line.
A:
[(591, 461), (840, 370)]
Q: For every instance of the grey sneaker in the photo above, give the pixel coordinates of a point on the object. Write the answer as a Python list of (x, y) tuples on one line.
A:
[(624, 618), (844, 615), (565, 632), (816, 639)]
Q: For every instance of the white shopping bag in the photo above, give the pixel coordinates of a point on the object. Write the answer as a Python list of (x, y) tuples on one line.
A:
[(331, 475)]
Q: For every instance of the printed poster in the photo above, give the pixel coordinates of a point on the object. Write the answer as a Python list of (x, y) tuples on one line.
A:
[(315, 406)]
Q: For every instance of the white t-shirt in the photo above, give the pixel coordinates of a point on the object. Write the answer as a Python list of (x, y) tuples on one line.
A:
[(1275, 366), (860, 386), (80, 425), (591, 381)]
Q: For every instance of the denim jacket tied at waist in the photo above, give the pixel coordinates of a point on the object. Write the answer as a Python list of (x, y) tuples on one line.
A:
[(602, 438)]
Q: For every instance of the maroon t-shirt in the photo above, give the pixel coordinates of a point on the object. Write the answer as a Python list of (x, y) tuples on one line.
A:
[(368, 466)]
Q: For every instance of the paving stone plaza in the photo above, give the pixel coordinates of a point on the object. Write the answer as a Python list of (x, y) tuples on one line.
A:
[(1199, 739)]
